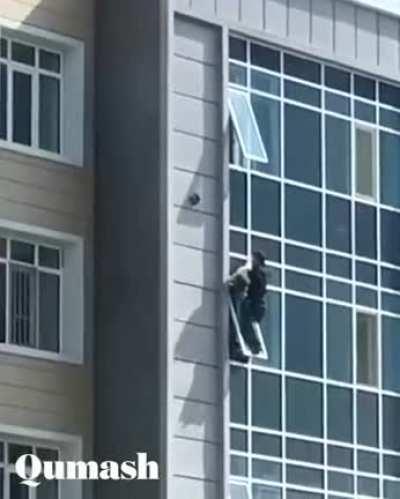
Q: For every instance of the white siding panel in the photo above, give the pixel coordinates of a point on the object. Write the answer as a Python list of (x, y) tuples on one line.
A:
[(195, 229), (196, 41), (203, 7), (195, 153), (300, 20), (196, 267), (195, 382), (322, 24), (228, 9), (195, 420), (389, 43), (276, 17), (195, 344), (252, 13), (345, 32), (193, 488), (187, 183), (195, 79), (194, 459), (195, 305), (195, 116), (367, 36)]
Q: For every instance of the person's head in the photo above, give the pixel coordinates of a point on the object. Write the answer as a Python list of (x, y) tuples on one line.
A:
[(258, 259)]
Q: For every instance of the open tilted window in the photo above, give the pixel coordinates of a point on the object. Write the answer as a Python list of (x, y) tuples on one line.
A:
[(245, 124)]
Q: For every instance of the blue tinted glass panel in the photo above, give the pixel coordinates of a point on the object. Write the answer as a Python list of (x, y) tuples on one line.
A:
[(340, 343), (269, 445), (338, 224), (391, 466), (238, 199), (303, 145), (270, 248), (238, 389), (265, 206), (303, 93), (303, 335), (268, 117), (365, 231), (389, 94), (301, 450), (390, 170), (237, 49), (266, 400), (338, 290), (365, 272), (265, 57), (340, 457), (391, 353), (366, 297), (390, 279), (300, 475), (365, 112), (265, 82), (337, 103), (304, 407), (302, 68), (338, 155), (390, 237), (364, 87), (237, 74), (267, 470), (390, 119), (368, 461), (302, 257), (391, 418), (340, 414), (238, 242), (337, 78), (391, 303), (304, 283), (367, 425), (301, 205), (338, 266), (340, 482)]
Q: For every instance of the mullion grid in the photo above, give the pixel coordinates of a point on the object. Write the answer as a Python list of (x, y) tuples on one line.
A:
[(324, 382)]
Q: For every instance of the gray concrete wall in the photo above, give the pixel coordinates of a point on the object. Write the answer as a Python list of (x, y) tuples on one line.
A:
[(196, 168), (129, 171)]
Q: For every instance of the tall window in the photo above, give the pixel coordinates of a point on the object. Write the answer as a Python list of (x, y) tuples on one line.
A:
[(10, 482), (30, 295), (319, 419), (30, 95)]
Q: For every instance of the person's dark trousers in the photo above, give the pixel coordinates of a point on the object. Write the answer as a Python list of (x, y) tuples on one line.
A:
[(251, 310)]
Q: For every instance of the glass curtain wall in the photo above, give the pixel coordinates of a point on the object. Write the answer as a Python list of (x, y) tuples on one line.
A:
[(320, 418)]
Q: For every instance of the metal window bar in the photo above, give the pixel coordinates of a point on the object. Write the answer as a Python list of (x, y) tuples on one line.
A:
[(23, 306)]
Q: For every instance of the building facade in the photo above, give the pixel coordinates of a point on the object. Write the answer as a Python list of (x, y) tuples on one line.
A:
[(147, 149)]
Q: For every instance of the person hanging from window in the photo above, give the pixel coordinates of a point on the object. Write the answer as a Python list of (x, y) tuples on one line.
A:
[(248, 286)]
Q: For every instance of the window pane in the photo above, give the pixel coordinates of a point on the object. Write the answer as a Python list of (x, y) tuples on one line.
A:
[(237, 49), (48, 490), (49, 113), (308, 452), (364, 87), (340, 482), (390, 237), (268, 117), (389, 94), (368, 462), (246, 127), (265, 57), (266, 206), (303, 93), (237, 74), (17, 450), (304, 283), (50, 61), (304, 407), (392, 466), (22, 108), (367, 424), (303, 335), (267, 470), (238, 199), (302, 68), (391, 418), (23, 53), (294, 494), (389, 119), (365, 231), (237, 242), (17, 491), (337, 103), (340, 345), (23, 306), (367, 349), (49, 257), (391, 353), (392, 490), (340, 414), (304, 476), (338, 266), (270, 248), (22, 252), (303, 145), (238, 440), (266, 492), (3, 100), (338, 154), (366, 297), (391, 303), (338, 290), (365, 112), (271, 329), (390, 278), (239, 466), (366, 272), (265, 82), (302, 257), (266, 400), (302, 204), (338, 224), (390, 171), (365, 161), (269, 445), (340, 457), (3, 303), (238, 398), (337, 78), (49, 312), (368, 487)]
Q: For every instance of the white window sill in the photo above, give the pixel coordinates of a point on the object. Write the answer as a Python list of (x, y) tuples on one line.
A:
[(38, 153), (38, 354)]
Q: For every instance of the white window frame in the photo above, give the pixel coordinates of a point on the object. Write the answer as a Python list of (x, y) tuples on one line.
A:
[(71, 292), (72, 81), (68, 446)]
